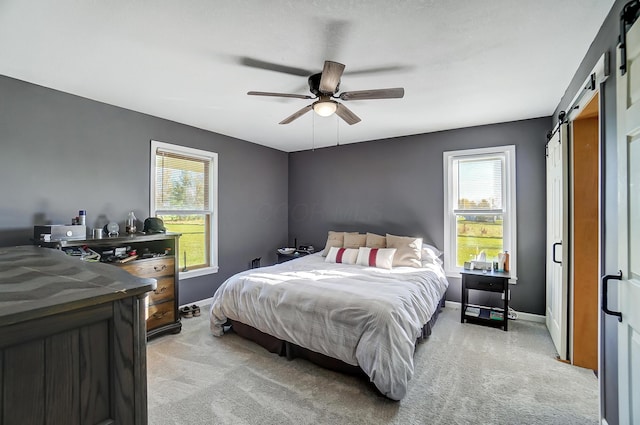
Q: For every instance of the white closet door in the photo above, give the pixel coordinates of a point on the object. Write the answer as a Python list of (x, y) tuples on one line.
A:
[(628, 115), (557, 294)]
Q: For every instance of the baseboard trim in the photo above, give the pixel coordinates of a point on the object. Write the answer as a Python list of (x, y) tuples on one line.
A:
[(205, 301), (521, 315)]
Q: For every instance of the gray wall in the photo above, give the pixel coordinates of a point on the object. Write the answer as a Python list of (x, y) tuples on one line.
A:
[(396, 186), (605, 41), (60, 153)]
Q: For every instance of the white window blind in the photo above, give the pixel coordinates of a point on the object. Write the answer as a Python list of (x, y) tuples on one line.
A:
[(480, 184), (182, 182)]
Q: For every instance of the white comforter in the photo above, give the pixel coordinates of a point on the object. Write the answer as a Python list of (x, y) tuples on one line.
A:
[(364, 316)]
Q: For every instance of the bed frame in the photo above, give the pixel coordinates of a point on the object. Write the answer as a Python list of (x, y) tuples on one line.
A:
[(292, 351)]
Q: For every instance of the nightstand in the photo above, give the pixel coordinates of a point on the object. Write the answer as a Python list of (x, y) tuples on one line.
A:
[(282, 258), (491, 281)]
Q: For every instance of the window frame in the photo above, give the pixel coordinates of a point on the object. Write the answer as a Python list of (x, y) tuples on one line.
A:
[(212, 159), (508, 211)]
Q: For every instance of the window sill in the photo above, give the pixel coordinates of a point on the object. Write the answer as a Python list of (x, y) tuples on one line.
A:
[(198, 272)]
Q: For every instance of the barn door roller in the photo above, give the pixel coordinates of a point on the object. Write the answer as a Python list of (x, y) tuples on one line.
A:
[(628, 16)]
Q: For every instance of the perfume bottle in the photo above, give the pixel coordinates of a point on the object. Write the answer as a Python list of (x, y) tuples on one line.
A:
[(131, 224)]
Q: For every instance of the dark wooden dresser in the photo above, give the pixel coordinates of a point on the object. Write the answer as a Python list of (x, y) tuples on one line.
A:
[(162, 305), (72, 340)]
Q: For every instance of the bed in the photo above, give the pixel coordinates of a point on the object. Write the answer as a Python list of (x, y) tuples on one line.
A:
[(365, 318)]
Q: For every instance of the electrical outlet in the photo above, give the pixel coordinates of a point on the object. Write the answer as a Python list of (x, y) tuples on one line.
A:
[(508, 294)]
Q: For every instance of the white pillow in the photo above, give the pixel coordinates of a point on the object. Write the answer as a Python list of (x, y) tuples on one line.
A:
[(342, 255), (376, 257), (431, 254)]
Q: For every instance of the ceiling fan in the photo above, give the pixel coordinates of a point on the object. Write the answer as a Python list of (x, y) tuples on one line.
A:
[(324, 87)]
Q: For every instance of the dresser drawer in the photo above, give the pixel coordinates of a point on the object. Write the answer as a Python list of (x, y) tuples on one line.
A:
[(152, 267), (484, 283), (164, 291), (160, 314)]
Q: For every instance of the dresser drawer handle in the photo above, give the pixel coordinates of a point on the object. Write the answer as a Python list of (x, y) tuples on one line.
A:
[(160, 290), (161, 268), (160, 315)]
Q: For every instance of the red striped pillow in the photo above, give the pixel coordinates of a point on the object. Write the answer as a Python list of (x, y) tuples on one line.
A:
[(376, 257), (342, 255)]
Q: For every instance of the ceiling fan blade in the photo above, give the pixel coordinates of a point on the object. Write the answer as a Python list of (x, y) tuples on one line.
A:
[(346, 114), (394, 93), (331, 74), (266, 93), (270, 66), (296, 115), (379, 69)]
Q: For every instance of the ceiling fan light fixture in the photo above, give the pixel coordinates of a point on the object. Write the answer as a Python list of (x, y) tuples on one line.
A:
[(324, 87), (325, 108)]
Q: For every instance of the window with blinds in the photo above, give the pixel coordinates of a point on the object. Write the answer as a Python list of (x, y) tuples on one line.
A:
[(479, 205), (183, 196)]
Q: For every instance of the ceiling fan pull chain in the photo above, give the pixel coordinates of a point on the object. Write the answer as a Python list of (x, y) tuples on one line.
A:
[(313, 133)]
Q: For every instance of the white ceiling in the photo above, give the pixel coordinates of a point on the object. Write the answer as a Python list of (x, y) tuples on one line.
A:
[(462, 63)]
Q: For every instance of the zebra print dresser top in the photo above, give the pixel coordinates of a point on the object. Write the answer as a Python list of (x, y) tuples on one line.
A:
[(37, 282)]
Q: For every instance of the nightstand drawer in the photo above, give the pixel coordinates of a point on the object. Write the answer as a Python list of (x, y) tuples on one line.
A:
[(484, 283)]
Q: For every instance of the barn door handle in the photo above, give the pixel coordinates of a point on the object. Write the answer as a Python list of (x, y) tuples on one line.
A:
[(553, 252), (605, 291)]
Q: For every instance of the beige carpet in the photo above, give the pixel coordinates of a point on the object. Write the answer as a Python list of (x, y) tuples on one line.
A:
[(465, 374)]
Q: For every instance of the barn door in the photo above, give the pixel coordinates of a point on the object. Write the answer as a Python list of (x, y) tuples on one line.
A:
[(628, 115), (557, 293)]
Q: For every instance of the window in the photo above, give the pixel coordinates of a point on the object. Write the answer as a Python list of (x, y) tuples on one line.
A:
[(184, 195), (480, 206)]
